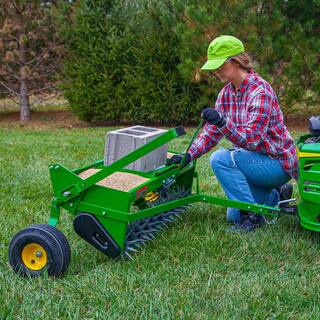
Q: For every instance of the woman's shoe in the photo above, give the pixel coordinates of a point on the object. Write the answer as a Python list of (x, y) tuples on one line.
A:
[(249, 221), (285, 191)]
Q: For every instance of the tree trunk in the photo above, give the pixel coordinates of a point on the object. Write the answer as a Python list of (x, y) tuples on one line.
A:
[(24, 101), (24, 94)]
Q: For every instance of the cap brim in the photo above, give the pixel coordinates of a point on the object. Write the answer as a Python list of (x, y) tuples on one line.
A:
[(213, 64)]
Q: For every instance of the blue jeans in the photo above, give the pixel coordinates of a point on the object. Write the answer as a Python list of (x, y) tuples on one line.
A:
[(248, 176)]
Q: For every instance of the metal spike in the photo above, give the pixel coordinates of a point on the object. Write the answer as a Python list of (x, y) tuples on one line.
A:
[(151, 230), (159, 227), (128, 255), (151, 235), (135, 245), (169, 219), (179, 210), (147, 237), (131, 249), (134, 241), (165, 225)]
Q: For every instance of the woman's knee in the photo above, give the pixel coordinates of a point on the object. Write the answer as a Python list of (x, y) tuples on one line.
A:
[(219, 158)]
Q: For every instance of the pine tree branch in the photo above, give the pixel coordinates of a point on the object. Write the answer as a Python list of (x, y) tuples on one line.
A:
[(43, 89), (11, 73), (9, 89), (15, 7)]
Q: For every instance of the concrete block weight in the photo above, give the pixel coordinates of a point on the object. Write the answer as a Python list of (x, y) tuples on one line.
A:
[(123, 141)]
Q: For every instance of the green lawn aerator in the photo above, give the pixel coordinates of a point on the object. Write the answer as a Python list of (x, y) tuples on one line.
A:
[(120, 220)]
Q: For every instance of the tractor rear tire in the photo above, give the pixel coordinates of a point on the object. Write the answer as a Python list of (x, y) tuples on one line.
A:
[(39, 248)]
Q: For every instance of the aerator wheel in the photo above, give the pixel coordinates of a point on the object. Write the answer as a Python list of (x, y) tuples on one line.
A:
[(39, 248)]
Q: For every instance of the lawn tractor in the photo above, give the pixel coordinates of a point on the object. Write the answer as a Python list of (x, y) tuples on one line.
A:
[(119, 220)]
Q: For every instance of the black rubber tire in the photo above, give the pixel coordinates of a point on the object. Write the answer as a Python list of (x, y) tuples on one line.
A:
[(51, 239), (63, 241)]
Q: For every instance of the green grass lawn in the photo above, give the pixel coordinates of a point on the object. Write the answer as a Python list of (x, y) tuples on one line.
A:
[(194, 270)]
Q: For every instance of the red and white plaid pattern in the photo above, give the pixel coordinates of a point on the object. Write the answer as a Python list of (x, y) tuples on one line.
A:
[(254, 122)]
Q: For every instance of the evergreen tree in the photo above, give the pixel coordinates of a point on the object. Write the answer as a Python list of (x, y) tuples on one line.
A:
[(30, 50), (281, 36), (139, 61)]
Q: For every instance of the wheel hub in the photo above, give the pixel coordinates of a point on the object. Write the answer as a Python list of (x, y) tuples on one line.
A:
[(34, 256)]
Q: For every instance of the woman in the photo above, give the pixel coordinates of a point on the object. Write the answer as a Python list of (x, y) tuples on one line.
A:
[(247, 113)]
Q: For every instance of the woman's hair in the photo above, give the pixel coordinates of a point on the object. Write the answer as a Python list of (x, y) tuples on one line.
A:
[(244, 60)]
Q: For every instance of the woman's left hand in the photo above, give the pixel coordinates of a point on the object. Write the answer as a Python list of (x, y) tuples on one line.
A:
[(213, 117)]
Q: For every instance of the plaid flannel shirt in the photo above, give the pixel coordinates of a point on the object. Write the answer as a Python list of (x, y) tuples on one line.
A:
[(254, 121)]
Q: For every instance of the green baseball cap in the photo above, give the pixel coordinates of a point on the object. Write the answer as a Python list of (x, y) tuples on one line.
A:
[(220, 49)]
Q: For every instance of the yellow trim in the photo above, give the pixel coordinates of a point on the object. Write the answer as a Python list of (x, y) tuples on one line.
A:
[(34, 256), (308, 155), (151, 196)]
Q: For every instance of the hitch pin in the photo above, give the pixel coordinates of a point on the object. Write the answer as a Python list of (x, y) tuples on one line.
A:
[(286, 201)]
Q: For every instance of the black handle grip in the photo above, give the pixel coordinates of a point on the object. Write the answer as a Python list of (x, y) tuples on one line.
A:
[(180, 130)]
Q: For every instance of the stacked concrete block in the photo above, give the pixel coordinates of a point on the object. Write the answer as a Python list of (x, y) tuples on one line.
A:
[(123, 141)]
